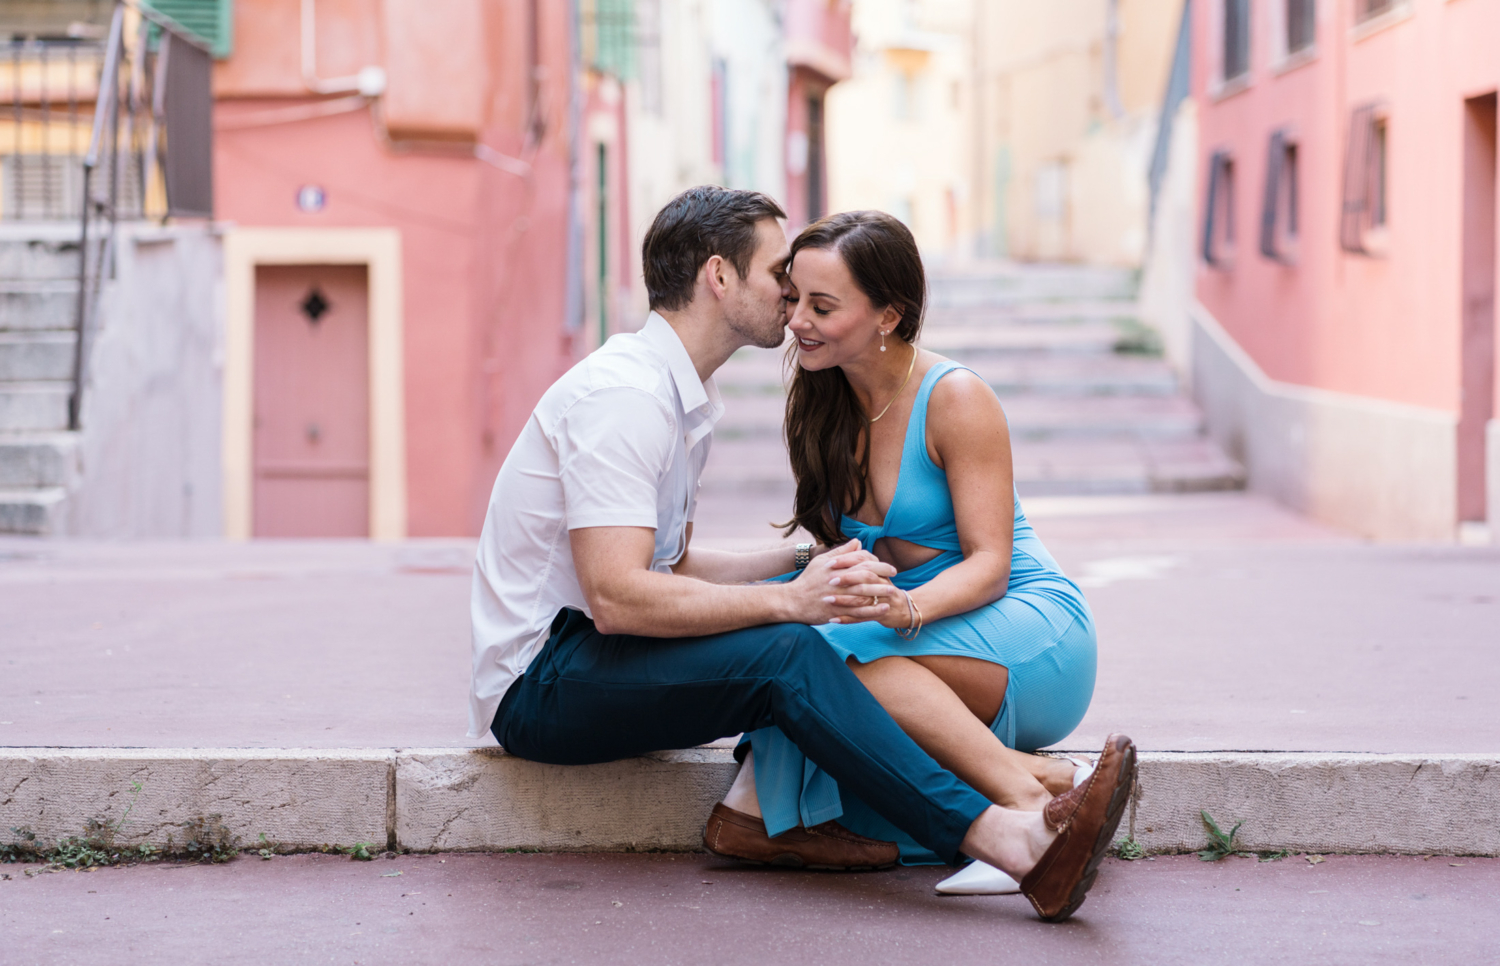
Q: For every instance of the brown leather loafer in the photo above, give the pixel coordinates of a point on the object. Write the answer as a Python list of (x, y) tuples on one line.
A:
[(828, 846), (1085, 820)]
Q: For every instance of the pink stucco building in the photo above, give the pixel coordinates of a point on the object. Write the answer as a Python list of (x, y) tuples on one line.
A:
[(1343, 336), (427, 211)]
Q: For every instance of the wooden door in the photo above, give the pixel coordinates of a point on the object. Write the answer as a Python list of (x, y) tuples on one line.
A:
[(312, 402), (1477, 406)]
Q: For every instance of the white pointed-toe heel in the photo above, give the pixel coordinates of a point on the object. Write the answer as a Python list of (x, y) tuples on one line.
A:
[(982, 879), (979, 879)]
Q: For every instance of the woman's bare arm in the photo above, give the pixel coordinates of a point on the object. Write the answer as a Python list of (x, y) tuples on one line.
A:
[(968, 436)]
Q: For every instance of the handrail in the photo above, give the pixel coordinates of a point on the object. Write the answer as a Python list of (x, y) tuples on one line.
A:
[(107, 95), (105, 147)]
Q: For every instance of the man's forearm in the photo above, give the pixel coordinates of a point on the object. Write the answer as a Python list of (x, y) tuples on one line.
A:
[(731, 567), (653, 604)]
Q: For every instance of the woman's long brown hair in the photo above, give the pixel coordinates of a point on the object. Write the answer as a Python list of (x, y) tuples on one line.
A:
[(825, 428)]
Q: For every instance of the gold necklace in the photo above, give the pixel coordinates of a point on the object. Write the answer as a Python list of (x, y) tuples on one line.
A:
[(909, 370)]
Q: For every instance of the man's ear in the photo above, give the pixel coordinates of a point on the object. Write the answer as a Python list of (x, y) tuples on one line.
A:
[(714, 276)]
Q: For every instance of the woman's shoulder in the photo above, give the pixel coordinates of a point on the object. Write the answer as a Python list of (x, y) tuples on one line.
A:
[(960, 388), (962, 411)]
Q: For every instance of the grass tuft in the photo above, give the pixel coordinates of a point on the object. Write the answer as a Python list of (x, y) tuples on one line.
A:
[(1220, 846)]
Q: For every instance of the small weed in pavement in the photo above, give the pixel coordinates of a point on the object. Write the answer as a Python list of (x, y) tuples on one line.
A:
[(1220, 846), (359, 851), (1130, 850), (207, 840)]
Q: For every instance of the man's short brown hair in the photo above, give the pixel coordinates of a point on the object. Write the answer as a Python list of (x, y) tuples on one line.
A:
[(692, 228)]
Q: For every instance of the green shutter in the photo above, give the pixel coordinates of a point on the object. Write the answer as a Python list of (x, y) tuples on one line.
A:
[(614, 37), (212, 20)]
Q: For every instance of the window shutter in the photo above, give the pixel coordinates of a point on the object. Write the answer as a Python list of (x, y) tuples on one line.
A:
[(1355, 216), (1219, 198), (1275, 161), (613, 23), (211, 20)]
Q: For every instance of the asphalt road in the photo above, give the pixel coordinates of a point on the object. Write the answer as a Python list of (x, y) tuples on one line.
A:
[(499, 910)]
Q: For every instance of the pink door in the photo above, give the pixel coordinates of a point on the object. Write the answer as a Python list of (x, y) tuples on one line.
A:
[(312, 402)]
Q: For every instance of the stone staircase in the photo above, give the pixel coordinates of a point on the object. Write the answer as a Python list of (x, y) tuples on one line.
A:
[(1092, 406), (39, 462)]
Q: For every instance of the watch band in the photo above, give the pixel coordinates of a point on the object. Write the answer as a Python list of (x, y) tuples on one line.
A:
[(803, 556)]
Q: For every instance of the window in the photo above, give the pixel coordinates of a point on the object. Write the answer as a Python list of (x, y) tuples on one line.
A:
[(1366, 203), (1278, 216), (1218, 211), (1236, 38), (1301, 25), (608, 36), (1373, 8), (1378, 165)]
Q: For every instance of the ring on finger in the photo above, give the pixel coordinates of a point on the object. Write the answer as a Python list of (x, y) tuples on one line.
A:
[(874, 601)]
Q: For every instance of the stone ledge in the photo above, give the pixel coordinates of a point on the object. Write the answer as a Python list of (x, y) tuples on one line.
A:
[(450, 799), (298, 798)]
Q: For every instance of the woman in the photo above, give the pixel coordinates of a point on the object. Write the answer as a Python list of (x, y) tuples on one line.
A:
[(987, 649)]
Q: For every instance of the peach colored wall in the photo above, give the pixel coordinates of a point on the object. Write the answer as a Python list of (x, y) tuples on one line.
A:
[(1385, 327), (484, 251)]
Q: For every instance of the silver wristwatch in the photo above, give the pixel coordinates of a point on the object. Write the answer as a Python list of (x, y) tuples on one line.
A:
[(803, 556)]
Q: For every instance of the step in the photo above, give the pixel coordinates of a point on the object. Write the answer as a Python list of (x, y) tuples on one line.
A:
[(36, 355), (38, 304), (30, 257), (1032, 313), (34, 405), (1065, 467), (1032, 282), (962, 341), (30, 460), (1079, 374), (32, 511), (483, 799), (1031, 416)]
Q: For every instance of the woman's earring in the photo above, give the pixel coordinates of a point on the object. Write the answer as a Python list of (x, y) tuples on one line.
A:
[(882, 340)]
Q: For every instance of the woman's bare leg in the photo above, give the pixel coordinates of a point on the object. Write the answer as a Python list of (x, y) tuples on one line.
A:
[(980, 685), (945, 725)]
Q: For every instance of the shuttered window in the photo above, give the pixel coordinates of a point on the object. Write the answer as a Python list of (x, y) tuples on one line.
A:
[(1218, 211), (1301, 25), (1364, 201), (609, 36), (1278, 214), (211, 20), (1236, 38)]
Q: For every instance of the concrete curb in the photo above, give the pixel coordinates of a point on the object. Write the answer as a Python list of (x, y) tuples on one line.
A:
[(483, 799)]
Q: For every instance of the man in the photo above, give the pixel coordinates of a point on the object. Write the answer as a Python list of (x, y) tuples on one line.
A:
[(600, 635)]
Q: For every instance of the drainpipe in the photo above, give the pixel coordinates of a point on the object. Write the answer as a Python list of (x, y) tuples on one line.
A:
[(369, 82), (573, 317)]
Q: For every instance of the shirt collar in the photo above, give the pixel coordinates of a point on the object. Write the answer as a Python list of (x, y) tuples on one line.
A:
[(699, 397)]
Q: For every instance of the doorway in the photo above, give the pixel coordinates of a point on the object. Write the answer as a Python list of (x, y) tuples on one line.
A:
[(1477, 399), (311, 406)]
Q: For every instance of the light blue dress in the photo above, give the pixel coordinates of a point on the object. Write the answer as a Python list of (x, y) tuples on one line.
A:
[(1041, 631)]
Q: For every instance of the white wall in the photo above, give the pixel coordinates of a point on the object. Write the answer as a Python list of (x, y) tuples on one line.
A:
[(150, 441)]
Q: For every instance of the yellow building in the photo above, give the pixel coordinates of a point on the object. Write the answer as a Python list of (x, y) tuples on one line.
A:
[(899, 131), (1067, 95)]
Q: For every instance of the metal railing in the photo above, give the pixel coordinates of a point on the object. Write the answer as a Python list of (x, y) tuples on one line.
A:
[(149, 152)]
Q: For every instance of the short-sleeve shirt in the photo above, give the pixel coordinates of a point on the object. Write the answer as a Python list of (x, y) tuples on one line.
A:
[(619, 441)]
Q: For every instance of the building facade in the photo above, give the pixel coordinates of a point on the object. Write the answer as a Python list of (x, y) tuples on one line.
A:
[(1342, 314)]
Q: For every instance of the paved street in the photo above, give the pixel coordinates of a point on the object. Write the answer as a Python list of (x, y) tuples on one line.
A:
[(661, 909), (1225, 623)]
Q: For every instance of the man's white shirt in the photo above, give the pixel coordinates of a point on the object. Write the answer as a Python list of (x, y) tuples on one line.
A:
[(619, 441)]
